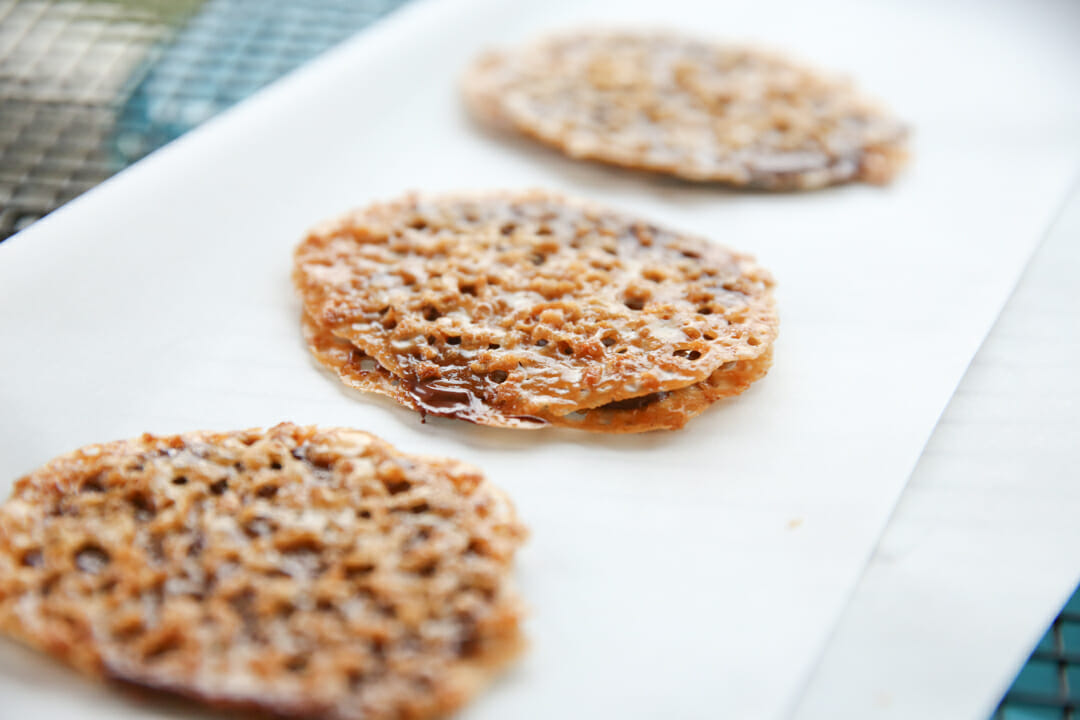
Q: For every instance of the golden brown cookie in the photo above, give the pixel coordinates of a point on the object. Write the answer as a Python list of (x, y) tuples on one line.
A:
[(306, 572), (702, 111), (659, 411), (530, 305)]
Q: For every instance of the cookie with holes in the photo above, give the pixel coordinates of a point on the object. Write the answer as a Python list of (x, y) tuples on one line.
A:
[(699, 110), (660, 411), (302, 571), (522, 309)]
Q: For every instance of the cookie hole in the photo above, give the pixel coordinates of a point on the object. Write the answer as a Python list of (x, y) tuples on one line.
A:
[(389, 324), (32, 558), (692, 254), (128, 630), (499, 376), (454, 340), (300, 546), (467, 289), (144, 508), (259, 527), (635, 303), (196, 547), (219, 487), (91, 559), (608, 341), (543, 230), (267, 491), (493, 346), (368, 365), (325, 605), (704, 310), (419, 508), (709, 336), (621, 350), (565, 348), (363, 514), (239, 466), (418, 224), (169, 643), (541, 343), (537, 258), (508, 228), (468, 644), (431, 313), (93, 485), (427, 569), (355, 680), (396, 487), (243, 604), (753, 341), (688, 354), (275, 465), (476, 547), (352, 572), (430, 339), (156, 548), (179, 480)]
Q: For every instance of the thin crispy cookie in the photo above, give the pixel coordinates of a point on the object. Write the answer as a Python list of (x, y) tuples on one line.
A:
[(670, 410), (699, 110), (300, 571), (531, 304), (361, 372), (659, 411)]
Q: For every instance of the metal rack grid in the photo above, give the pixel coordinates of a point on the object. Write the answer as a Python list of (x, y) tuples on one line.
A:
[(1048, 686), (88, 87)]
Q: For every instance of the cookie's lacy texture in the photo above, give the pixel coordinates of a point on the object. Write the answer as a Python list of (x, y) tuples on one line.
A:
[(308, 572), (528, 308), (699, 110)]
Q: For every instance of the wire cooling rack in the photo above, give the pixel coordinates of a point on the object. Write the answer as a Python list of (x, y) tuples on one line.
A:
[(87, 88)]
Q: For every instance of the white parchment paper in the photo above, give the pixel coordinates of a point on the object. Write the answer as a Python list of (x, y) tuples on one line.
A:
[(688, 574)]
